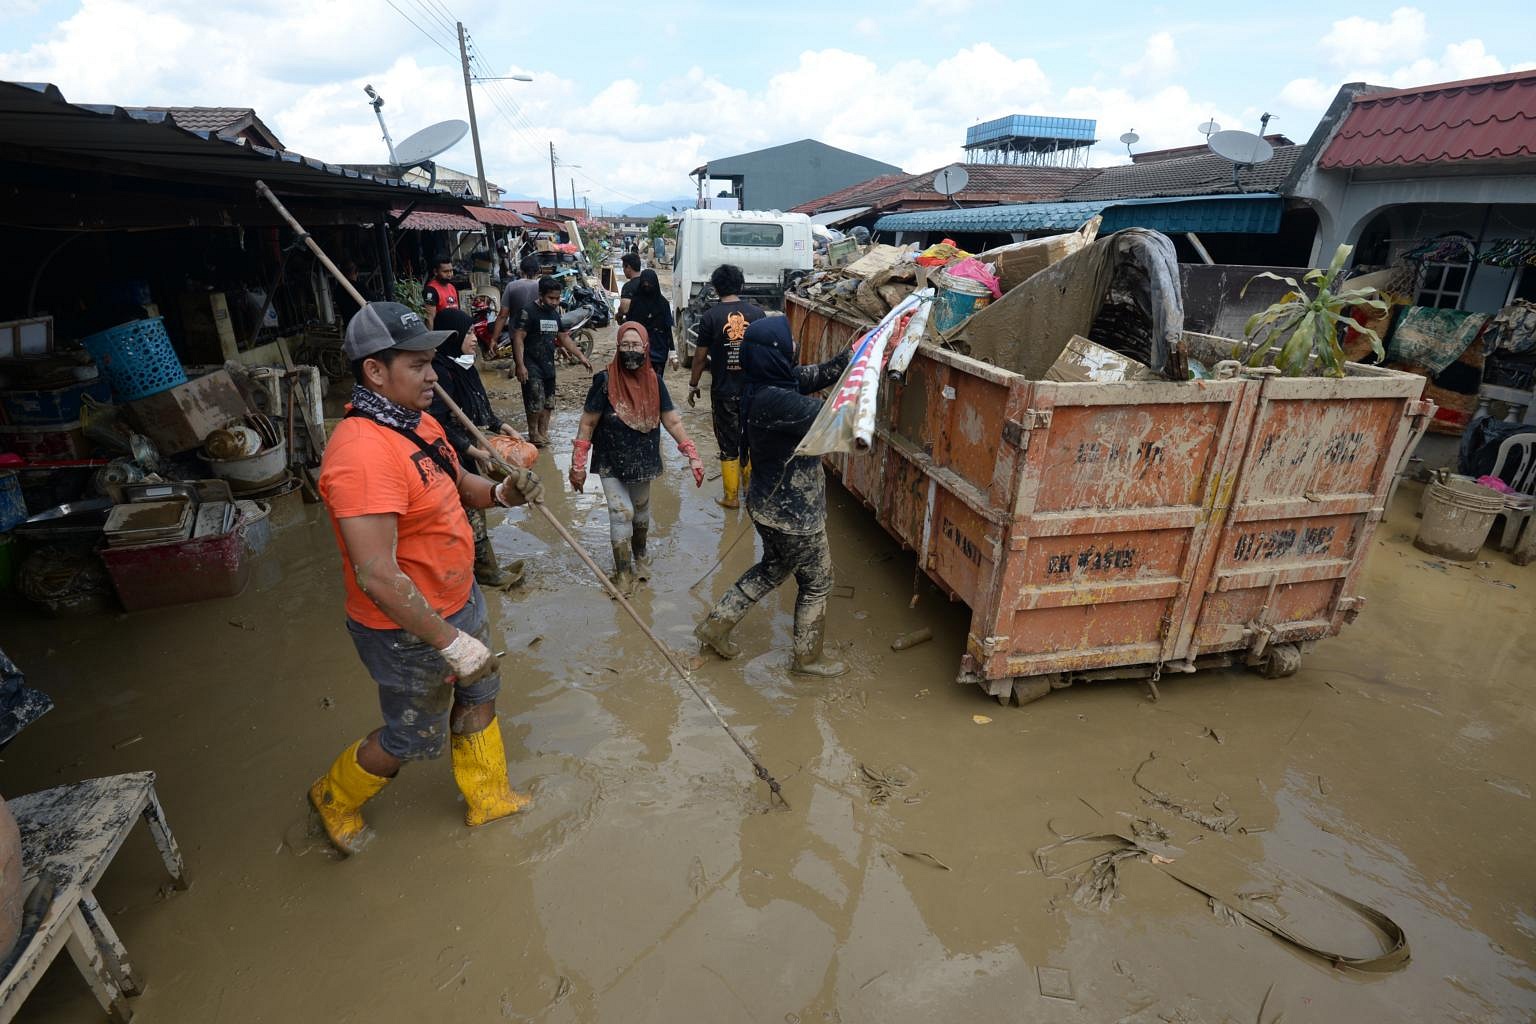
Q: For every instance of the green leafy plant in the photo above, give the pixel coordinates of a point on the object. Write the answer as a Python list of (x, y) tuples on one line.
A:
[(1305, 326), (659, 227), (408, 294)]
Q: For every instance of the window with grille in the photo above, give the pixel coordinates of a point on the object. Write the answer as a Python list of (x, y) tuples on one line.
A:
[(1443, 285)]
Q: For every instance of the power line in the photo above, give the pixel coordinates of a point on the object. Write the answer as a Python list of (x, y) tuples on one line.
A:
[(437, 19), (429, 36)]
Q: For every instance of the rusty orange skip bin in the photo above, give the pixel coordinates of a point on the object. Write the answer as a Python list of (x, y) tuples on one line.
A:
[(1129, 530)]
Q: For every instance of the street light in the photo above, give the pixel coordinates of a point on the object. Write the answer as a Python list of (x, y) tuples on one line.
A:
[(507, 78)]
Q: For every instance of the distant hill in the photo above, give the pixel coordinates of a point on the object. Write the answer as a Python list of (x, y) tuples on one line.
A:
[(655, 206)]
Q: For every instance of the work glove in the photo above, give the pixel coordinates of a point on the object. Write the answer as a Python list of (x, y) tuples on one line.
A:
[(693, 395), (580, 450), (524, 481), (696, 464), (470, 659)]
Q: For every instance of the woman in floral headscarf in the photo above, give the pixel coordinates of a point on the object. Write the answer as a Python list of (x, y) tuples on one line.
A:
[(620, 432)]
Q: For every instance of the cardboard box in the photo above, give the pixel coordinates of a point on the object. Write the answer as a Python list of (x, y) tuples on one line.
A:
[(1020, 261), (177, 420), (1088, 361)]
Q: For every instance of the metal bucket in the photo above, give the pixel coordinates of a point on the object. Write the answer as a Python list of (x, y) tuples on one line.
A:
[(252, 472), (1457, 519), (958, 298)]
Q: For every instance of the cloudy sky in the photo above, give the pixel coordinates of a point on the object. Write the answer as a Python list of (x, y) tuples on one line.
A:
[(634, 95)]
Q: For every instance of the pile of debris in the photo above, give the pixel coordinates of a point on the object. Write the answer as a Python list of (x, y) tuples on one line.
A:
[(869, 287)]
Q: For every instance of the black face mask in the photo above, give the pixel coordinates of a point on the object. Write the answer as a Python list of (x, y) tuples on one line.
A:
[(631, 360)]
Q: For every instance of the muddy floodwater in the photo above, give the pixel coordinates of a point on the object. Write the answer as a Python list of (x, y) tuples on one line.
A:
[(921, 873)]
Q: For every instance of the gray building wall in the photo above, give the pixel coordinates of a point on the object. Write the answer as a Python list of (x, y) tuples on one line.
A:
[(780, 177)]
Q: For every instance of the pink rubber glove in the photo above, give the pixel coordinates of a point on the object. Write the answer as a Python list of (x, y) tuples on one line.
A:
[(580, 451), (691, 450)]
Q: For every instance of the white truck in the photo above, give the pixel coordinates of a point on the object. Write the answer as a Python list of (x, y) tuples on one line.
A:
[(770, 247)]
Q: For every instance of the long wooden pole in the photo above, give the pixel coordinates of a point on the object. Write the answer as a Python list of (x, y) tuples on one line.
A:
[(613, 591)]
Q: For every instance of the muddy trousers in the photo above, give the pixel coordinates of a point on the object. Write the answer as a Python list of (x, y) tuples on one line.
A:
[(629, 519), (808, 557)]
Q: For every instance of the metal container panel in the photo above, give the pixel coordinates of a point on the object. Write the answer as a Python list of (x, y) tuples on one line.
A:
[(1312, 486)]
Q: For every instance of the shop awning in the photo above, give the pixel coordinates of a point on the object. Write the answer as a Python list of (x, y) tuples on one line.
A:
[(39, 125), (495, 215), (435, 220), (1253, 213)]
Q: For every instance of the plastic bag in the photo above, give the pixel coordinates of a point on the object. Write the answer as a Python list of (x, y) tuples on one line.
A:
[(973, 269), (514, 450), (940, 253)]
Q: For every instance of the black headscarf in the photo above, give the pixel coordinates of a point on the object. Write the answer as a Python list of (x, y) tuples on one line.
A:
[(651, 308), (767, 361), (463, 386)]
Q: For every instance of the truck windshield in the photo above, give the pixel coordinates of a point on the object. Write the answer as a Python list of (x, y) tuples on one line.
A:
[(767, 236)]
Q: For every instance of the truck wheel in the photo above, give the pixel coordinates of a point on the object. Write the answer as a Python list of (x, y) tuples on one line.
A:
[(1280, 661)]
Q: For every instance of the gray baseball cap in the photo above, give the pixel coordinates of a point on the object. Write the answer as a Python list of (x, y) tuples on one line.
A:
[(381, 325)]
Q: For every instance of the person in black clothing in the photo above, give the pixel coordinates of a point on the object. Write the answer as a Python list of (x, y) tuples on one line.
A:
[(630, 265), (454, 364), (721, 329), (620, 429), (537, 332), (651, 310), (787, 497)]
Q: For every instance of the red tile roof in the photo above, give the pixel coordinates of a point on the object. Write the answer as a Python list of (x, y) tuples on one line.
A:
[(989, 183), (1478, 119), (496, 215)]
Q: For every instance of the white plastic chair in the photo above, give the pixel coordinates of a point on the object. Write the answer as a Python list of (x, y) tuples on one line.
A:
[(1517, 506), (71, 833)]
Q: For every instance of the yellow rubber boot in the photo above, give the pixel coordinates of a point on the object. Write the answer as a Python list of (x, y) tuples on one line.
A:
[(746, 474), (480, 769), (338, 797), (730, 481)]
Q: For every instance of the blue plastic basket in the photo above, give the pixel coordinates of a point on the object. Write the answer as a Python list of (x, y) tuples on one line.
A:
[(136, 358)]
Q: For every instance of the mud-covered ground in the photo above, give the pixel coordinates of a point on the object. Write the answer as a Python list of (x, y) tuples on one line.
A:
[(652, 882)]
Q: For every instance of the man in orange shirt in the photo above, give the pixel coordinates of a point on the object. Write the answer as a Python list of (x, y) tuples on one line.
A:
[(396, 495)]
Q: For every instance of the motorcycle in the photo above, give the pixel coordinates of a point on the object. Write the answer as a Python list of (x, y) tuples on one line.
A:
[(578, 323), (602, 312)]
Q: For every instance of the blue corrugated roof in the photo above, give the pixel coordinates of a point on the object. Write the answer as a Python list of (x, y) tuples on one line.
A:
[(1222, 214)]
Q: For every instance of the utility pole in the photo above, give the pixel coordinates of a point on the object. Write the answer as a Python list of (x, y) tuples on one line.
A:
[(474, 127), (553, 191), (574, 207)]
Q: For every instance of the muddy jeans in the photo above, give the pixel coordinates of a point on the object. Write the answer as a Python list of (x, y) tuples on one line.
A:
[(725, 411), (806, 555), (412, 677), (629, 509)]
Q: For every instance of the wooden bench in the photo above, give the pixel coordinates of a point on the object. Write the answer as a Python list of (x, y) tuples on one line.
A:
[(69, 834)]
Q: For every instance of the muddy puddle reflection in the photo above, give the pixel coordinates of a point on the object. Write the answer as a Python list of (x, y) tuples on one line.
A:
[(652, 881)]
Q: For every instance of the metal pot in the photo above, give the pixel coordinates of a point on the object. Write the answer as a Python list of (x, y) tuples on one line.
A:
[(252, 472)]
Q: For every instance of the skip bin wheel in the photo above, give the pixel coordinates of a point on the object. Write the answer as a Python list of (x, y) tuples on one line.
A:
[(1028, 689), (1280, 661)]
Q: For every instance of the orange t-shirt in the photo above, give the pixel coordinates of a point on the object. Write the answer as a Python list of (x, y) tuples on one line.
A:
[(369, 469)]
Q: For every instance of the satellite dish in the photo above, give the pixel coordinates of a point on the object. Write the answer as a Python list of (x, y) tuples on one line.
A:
[(1208, 129), (1242, 148), (951, 180), (429, 142), (1130, 137)]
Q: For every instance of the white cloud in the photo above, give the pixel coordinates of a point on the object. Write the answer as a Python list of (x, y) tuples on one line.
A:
[(1361, 42), (637, 134), (1467, 59), (1308, 94), (1159, 60)]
